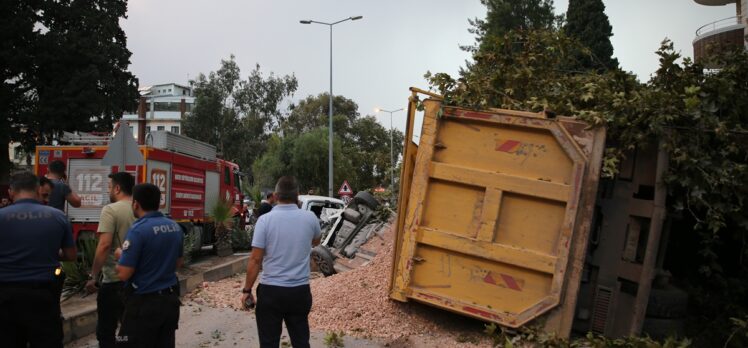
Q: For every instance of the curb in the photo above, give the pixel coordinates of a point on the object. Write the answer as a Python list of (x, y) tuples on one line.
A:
[(82, 322)]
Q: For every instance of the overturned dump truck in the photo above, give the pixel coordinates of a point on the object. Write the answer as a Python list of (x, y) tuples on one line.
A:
[(494, 213), (345, 230)]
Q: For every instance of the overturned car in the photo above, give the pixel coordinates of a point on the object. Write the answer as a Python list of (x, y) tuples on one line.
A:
[(344, 231)]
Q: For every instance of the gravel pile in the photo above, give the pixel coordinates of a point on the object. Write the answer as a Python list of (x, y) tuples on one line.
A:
[(357, 303), (225, 293)]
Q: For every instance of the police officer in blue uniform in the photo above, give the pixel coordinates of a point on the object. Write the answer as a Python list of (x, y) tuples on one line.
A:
[(33, 240), (150, 256)]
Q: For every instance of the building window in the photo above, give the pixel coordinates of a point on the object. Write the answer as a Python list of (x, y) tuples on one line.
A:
[(166, 106), (132, 129), (184, 92), (175, 129), (147, 129), (160, 128)]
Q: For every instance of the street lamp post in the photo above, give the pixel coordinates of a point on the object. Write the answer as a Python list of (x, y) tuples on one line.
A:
[(329, 164), (392, 161)]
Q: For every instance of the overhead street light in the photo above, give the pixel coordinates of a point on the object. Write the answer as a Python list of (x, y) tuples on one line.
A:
[(392, 164), (309, 21)]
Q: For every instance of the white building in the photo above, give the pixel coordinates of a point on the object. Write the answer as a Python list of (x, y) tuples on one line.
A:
[(166, 106)]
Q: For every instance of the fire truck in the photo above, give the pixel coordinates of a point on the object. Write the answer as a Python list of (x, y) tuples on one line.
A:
[(191, 176)]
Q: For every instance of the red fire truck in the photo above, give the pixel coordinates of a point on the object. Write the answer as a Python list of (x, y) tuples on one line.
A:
[(191, 177)]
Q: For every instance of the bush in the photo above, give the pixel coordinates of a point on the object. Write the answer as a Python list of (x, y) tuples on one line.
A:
[(241, 239)]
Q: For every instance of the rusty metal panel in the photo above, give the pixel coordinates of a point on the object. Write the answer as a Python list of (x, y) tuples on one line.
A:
[(491, 211)]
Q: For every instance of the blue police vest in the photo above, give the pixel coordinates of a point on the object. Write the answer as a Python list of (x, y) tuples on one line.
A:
[(152, 246)]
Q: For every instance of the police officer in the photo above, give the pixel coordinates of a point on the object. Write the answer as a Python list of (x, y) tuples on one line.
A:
[(31, 241), (150, 256)]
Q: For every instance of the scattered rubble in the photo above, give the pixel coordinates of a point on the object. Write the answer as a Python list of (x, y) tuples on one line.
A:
[(357, 303)]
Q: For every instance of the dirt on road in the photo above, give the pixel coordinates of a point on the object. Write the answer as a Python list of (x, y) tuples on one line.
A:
[(357, 304)]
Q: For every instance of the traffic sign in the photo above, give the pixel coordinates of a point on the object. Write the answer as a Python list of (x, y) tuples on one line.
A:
[(123, 150), (345, 189)]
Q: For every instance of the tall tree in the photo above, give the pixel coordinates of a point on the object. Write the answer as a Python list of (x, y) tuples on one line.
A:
[(236, 115), (505, 15), (64, 68), (587, 22), (361, 147), (312, 112)]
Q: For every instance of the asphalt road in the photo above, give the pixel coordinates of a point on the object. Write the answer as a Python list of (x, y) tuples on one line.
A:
[(203, 326)]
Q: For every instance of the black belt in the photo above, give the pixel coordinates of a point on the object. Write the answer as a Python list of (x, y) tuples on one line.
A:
[(174, 289)]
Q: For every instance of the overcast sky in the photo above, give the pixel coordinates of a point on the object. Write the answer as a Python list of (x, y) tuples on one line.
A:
[(375, 59)]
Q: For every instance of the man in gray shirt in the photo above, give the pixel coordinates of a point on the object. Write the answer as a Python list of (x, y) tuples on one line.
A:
[(282, 243), (61, 192)]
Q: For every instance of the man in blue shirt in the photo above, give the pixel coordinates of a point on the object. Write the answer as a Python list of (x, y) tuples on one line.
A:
[(31, 238), (150, 256), (282, 243)]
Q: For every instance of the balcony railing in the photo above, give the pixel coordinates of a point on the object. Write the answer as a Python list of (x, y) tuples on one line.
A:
[(728, 23)]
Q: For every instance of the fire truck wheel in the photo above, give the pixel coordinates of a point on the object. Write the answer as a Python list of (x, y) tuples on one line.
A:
[(367, 199), (669, 302), (324, 259)]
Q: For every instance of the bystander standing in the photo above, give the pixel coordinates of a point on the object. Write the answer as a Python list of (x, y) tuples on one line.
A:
[(116, 218), (61, 192), (266, 205), (281, 246)]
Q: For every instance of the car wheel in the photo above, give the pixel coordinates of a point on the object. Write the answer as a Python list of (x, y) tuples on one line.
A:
[(367, 199), (352, 215), (324, 260)]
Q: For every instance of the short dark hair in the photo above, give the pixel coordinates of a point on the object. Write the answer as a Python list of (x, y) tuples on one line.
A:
[(57, 167), (269, 195), (287, 189), (44, 181), (124, 180), (24, 181), (147, 195)]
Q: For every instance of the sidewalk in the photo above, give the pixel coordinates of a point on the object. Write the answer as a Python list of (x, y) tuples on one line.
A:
[(80, 312)]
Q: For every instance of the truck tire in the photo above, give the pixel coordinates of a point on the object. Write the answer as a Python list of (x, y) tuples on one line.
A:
[(663, 328), (324, 259), (367, 199), (667, 303)]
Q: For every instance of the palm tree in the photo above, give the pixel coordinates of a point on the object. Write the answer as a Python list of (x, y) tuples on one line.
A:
[(223, 221)]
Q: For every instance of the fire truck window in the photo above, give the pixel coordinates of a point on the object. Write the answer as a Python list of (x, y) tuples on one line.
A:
[(237, 181), (226, 176)]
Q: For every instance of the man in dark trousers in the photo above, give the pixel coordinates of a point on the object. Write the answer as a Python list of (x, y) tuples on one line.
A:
[(281, 245), (61, 191), (150, 256), (114, 222), (33, 240)]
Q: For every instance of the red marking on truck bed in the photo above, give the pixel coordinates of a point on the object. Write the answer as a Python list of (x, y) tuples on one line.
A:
[(480, 312), (507, 146), (504, 281), (511, 282)]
